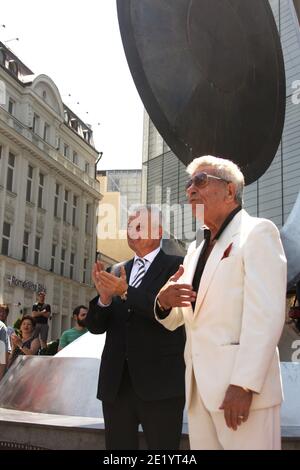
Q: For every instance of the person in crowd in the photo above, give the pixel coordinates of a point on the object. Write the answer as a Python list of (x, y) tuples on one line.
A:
[(141, 380), (4, 348), (4, 312), (68, 336), (230, 294), (297, 321), (28, 344), (41, 313)]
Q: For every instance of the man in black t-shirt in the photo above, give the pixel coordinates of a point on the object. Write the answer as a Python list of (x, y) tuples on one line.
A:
[(41, 312)]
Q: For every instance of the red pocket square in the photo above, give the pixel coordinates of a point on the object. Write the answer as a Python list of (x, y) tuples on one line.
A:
[(227, 251)]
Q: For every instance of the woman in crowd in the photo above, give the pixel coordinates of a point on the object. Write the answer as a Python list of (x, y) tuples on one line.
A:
[(27, 345)]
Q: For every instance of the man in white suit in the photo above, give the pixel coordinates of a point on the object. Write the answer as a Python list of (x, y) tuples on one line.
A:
[(230, 294)]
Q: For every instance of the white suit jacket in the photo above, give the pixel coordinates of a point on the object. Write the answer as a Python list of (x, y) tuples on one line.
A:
[(239, 314)]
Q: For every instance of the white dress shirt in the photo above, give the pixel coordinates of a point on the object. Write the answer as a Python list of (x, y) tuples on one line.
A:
[(148, 260)]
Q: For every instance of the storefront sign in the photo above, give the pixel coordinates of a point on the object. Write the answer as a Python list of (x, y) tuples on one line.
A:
[(29, 285)]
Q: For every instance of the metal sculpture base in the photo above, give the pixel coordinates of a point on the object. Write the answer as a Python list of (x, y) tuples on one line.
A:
[(23, 430), (50, 402)]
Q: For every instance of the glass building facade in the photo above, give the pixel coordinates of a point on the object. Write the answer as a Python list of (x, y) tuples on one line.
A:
[(128, 184)]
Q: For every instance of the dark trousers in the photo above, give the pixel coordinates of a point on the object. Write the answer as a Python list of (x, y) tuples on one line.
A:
[(161, 420)]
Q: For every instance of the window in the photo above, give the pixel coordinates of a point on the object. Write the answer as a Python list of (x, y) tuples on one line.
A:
[(11, 106), (36, 123), (74, 123), (0, 152), (37, 249), (65, 206), (41, 190), (86, 135), (5, 238), (84, 277), (75, 199), (46, 132), (87, 218), (13, 67), (87, 168), (75, 158), (10, 171), (72, 262), (56, 199), (25, 246), (114, 184), (29, 183), (66, 150), (53, 255), (62, 261)]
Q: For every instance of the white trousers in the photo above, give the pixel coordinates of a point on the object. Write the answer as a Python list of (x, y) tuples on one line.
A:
[(208, 430)]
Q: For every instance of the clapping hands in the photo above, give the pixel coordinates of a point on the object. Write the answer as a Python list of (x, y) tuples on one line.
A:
[(16, 340), (107, 284)]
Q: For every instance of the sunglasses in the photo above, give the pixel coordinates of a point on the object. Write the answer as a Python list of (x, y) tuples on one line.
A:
[(201, 180)]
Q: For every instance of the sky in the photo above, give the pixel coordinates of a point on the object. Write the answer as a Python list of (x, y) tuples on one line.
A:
[(78, 44)]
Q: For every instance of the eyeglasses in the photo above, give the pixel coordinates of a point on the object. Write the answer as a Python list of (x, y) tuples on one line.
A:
[(201, 180)]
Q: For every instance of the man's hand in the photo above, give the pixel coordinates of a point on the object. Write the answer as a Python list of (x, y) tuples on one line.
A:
[(236, 406), (105, 295), (112, 284), (173, 294)]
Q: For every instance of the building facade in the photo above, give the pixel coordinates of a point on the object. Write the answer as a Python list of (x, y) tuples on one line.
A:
[(48, 196), (274, 194)]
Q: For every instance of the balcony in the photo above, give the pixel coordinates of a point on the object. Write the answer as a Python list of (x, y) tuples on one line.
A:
[(51, 151)]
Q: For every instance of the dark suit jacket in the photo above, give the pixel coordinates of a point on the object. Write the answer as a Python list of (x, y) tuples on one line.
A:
[(154, 354)]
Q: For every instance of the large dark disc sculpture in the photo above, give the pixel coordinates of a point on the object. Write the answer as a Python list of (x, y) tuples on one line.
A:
[(211, 76)]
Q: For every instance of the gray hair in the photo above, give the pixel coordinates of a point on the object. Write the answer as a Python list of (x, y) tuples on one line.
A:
[(223, 168)]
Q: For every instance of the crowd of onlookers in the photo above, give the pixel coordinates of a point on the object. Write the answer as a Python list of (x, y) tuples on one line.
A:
[(29, 335)]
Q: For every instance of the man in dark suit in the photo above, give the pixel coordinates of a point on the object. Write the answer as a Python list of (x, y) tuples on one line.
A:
[(141, 378)]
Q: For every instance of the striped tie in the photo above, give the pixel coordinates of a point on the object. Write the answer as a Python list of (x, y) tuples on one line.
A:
[(140, 274)]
